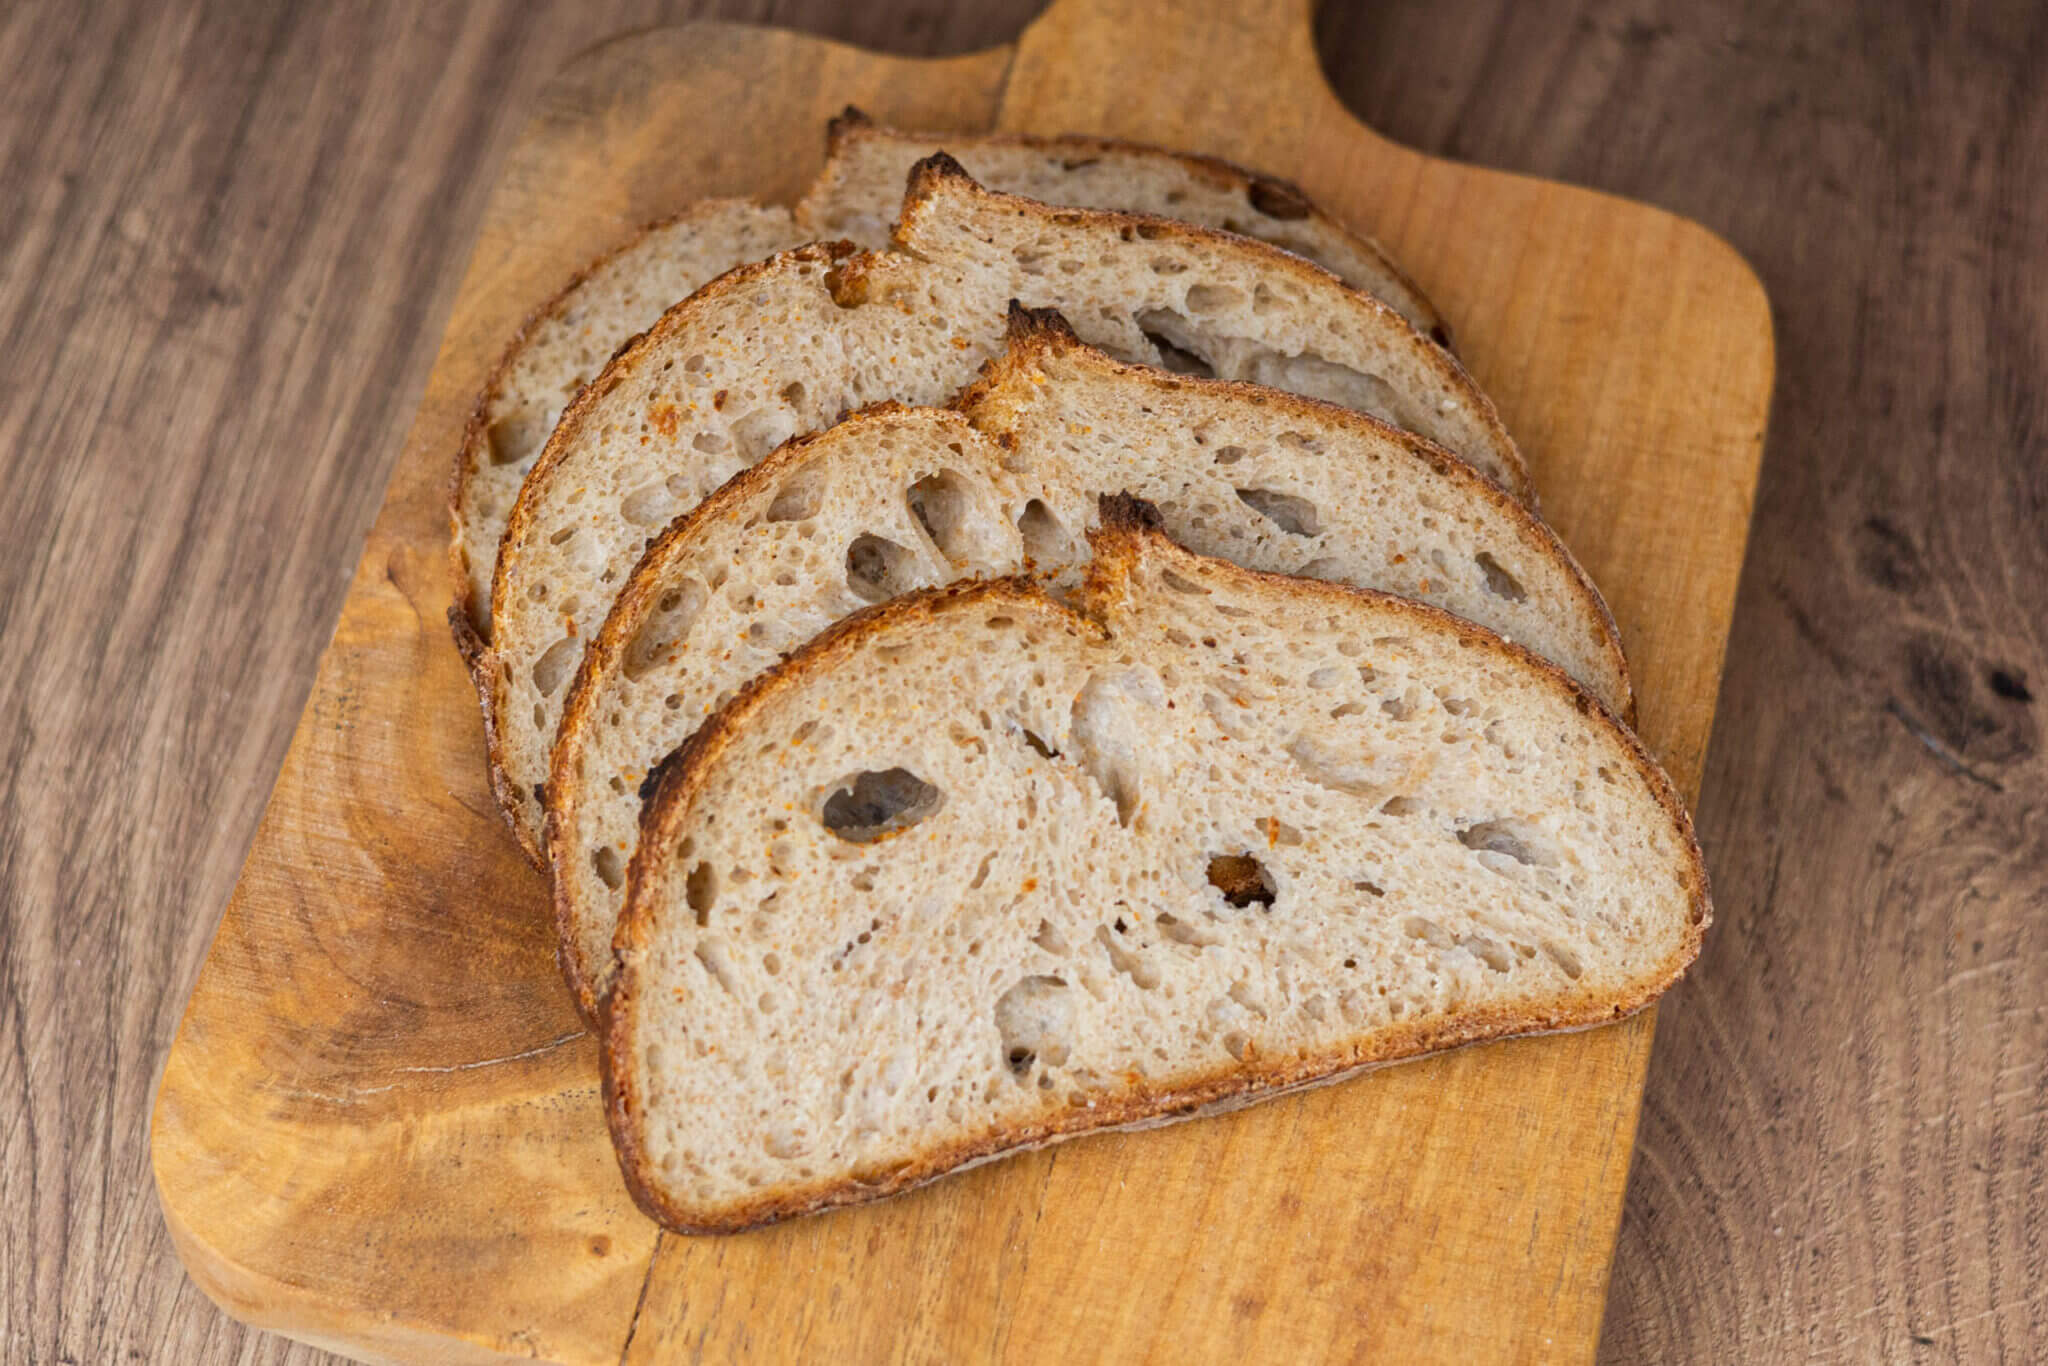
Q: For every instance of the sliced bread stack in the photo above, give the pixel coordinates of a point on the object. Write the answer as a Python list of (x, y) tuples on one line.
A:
[(1006, 480), (855, 198), (1246, 589), (978, 871), (788, 345)]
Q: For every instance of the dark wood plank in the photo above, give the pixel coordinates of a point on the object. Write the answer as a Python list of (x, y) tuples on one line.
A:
[(232, 234), (1841, 1148)]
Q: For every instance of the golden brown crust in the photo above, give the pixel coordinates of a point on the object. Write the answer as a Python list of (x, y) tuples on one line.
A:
[(1266, 194), (1124, 537), (601, 657), (474, 445), (1139, 1106), (939, 170), (622, 363), (1036, 335), (847, 276)]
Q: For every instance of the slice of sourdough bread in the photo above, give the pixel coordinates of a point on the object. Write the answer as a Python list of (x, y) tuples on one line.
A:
[(974, 872), (861, 188), (567, 340), (856, 197), (898, 498), (790, 344)]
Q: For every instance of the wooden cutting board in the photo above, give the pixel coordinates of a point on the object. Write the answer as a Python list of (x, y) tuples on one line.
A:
[(378, 1129)]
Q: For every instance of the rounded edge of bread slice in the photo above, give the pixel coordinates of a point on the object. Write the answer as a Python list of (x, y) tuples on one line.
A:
[(1271, 210), (632, 611), (1485, 443), (1127, 536), (487, 669), (906, 337), (1038, 333), (474, 531), (583, 823)]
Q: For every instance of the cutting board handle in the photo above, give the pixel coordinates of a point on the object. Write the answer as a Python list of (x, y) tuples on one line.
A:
[(1244, 65)]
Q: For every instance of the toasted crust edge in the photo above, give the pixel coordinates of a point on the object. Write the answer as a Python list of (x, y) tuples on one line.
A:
[(1036, 333), (613, 638), (1127, 533), (471, 449), (623, 363), (850, 124), (1033, 334), (940, 170)]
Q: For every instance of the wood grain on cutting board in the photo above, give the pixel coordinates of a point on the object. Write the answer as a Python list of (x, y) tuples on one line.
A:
[(379, 1128)]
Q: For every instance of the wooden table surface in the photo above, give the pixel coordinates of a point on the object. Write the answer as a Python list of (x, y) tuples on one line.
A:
[(229, 235)]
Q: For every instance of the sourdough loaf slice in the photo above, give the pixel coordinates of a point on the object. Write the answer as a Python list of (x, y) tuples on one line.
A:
[(855, 197), (975, 872), (789, 345), (861, 188), (899, 498), (567, 340)]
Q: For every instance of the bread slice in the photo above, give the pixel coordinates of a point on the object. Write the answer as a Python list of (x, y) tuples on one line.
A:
[(855, 197), (859, 191), (789, 345), (567, 340), (898, 498), (974, 872)]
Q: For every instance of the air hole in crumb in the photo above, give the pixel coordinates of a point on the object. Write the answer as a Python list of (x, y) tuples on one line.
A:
[(665, 627), (514, 438), (1293, 515), (1499, 582), (648, 505), (800, 496), (1277, 199), (1101, 729), (552, 669), (946, 507), (761, 431), (1242, 879), (877, 568), (1520, 840), (1034, 1019), (871, 805), (1046, 542), (700, 890), (1175, 341), (1229, 455), (1181, 584), (611, 869), (1488, 951), (711, 953)]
